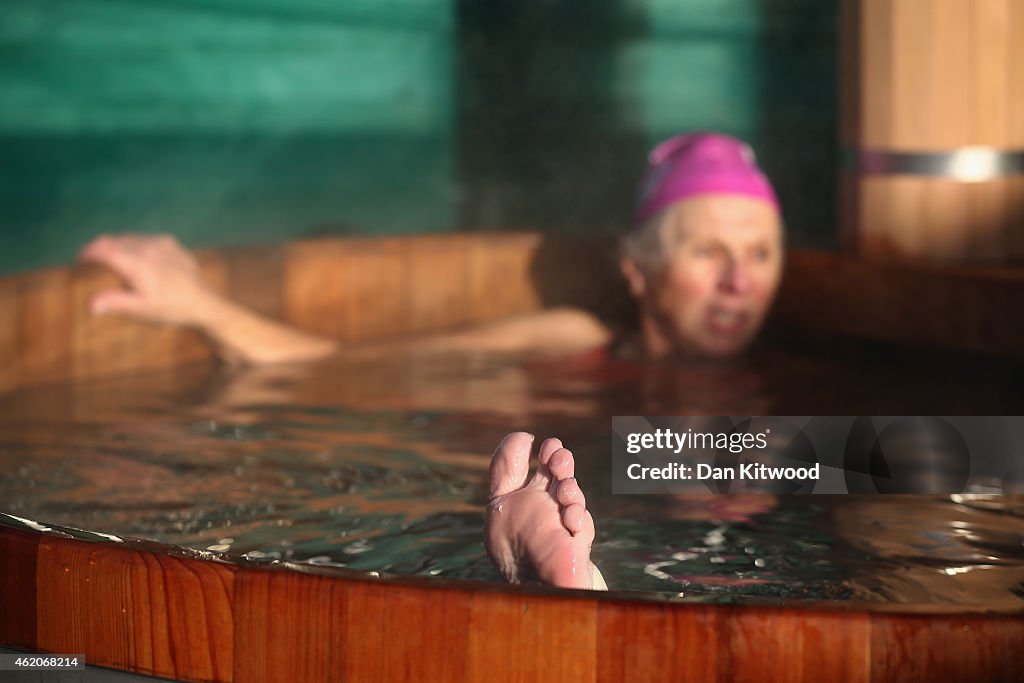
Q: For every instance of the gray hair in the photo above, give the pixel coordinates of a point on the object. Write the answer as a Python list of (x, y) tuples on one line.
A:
[(648, 245), (651, 244)]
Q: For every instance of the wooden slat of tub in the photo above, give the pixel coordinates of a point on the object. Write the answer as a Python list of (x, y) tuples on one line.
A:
[(253, 277), (312, 628), (965, 309), (411, 632), (44, 325), (693, 643), (155, 613), (967, 649), (437, 283), (290, 626), (796, 645), (147, 612), (10, 356), (351, 290), (499, 276), (519, 638), (18, 550)]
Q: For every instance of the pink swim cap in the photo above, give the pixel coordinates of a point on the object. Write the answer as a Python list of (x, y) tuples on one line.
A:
[(696, 164)]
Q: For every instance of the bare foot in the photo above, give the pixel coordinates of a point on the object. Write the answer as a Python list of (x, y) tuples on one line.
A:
[(539, 529)]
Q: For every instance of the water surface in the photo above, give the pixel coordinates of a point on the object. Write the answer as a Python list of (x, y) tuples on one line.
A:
[(379, 464)]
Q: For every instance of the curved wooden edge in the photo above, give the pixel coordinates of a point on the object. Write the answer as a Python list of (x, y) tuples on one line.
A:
[(168, 614), (362, 289)]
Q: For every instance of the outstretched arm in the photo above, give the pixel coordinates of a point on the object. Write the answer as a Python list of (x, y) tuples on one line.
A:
[(163, 285)]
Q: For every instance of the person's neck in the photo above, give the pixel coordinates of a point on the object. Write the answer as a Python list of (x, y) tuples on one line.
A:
[(655, 343)]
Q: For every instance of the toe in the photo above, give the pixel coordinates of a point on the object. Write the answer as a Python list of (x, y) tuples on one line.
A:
[(586, 531), (548, 448), (511, 463), (574, 518), (568, 492), (562, 464), (542, 477)]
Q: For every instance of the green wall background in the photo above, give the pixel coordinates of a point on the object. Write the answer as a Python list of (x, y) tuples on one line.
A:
[(244, 121)]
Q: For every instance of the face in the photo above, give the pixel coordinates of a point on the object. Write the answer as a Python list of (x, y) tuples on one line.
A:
[(715, 285)]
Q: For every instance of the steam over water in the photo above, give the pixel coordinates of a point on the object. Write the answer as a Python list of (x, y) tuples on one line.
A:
[(380, 464)]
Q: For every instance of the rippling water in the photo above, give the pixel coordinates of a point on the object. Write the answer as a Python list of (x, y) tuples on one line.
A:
[(379, 464)]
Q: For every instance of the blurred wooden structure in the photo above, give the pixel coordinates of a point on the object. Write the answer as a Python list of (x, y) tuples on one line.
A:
[(923, 83), (157, 610), (361, 290)]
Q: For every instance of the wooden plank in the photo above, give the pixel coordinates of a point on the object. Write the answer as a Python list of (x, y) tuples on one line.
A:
[(253, 278), (875, 79), (437, 284), (953, 650), (415, 633), (150, 609), (912, 82), (9, 332), (951, 308), (146, 612), (1014, 84), (942, 93), (499, 279), (692, 643), (44, 325), (304, 639), (552, 639), (773, 645), (18, 588), (349, 291), (990, 69)]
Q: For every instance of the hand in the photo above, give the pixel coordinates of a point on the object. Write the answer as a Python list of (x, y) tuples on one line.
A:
[(162, 280)]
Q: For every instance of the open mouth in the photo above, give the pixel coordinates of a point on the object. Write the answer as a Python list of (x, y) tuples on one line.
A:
[(727, 322)]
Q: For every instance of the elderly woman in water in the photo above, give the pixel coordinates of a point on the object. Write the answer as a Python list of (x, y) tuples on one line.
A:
[(703, 263)]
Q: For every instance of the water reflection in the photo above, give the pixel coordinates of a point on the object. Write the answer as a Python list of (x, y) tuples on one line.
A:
[(379, 464)]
